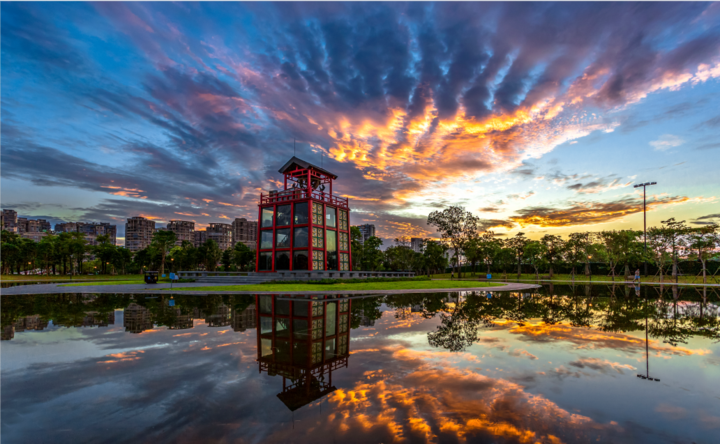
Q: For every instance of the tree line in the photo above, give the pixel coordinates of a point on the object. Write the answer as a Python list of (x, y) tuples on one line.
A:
[(619, 250), (70, 254)]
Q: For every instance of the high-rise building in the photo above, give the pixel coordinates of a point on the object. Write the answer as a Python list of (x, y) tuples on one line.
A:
[(199, 238), (221, 234), (367, 231), (9, 221), (416, 244), (138, 233), (244, 231), (91, 230), (244, 319), (137, 318), (185, 231)]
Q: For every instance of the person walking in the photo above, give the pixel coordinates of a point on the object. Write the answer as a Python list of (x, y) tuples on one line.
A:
[(637, 276), (452, 274)]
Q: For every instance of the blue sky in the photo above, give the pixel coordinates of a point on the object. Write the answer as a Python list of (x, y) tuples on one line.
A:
[(535, 116)]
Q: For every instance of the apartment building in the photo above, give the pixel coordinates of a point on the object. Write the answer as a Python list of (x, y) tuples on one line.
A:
[(416, 244), (91, 230), (9, 221), (185, 231), (244, 231), (199, 238), (138, 233), (243, 320), (221, 234), (367, 231), (137, 319)]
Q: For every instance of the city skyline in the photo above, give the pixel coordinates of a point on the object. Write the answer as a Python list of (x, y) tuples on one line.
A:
[(536, 117)]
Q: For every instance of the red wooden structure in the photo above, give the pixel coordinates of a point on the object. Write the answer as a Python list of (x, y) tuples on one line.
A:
[(303, 340), (304, 226)]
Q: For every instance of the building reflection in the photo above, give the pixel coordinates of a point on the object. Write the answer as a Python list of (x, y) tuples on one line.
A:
[(303, 339)]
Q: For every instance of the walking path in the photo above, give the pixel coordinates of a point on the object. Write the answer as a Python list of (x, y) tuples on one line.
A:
[(144, 288)]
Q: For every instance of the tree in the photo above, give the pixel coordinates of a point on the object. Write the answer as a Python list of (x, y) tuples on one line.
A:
[(242, 256), (356, 247), (675, 232), (701, 243), (576, 250), (227, 259), (658, 246), (456, 226), (489, 248), (534, 253), (210, 254), (434, 254), (472, 252), (372, 255), (554, 249), (517, 244), (163, 240)]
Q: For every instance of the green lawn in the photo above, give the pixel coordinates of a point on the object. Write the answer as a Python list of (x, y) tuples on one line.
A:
[(367, 286), (512, 277)]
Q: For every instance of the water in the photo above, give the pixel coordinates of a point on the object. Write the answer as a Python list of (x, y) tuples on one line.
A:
[(550, 366)]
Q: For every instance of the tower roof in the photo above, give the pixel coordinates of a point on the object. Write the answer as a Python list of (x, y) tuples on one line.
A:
[(295, 162)]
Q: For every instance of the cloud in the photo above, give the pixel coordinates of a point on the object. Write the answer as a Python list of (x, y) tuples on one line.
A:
[(666, 141), (588, 213), (708, 219), (598, 186)]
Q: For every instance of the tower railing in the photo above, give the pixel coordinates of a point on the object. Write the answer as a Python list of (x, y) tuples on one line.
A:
[(299, 194)]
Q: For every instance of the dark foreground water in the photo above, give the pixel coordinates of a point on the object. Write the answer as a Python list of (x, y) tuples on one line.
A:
[(557, 365)]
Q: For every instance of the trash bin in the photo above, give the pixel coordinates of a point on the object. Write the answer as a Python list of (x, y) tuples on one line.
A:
[(151, 277)]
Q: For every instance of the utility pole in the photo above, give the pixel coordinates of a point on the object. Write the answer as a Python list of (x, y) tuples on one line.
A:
[(644, 185)]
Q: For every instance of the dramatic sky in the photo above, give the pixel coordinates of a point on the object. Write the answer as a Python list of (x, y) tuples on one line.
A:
[(535, 116)]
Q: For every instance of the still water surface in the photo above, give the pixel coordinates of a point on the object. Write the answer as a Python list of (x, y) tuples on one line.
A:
[(557, 365)]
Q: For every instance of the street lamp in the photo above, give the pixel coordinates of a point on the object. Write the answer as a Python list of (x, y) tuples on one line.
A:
[(644, 185)]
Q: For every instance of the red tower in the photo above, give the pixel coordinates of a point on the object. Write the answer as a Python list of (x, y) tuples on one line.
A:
[(304, 226)]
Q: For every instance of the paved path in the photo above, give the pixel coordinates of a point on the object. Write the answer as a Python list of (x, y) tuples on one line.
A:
[(143, 288)]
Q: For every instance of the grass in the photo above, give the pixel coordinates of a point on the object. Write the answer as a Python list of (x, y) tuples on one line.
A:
[(582, 278), (365, 286), (126, 282)]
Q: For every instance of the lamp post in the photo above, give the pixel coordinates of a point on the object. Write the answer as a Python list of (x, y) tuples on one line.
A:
[(644, 185)]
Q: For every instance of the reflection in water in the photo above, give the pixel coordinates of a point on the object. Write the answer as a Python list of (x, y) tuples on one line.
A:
[(434, 367)]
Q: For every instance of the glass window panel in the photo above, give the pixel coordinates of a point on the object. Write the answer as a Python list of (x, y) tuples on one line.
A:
[(343, 324), (344, 306), (331, 217), (344, 262), (282, 307), (265, 304), (283, 215), (317, 352), (331, 316), (300, 353), (343, 345), (300, 238), (317, 308), (343, 220), (332, 254), (282, 260), (283, 351), (344, 244), (317, 213), (267, 217), (300, 260), (300, 329), (330, 348), (265, 263), (282, 238), (317, 326), (266, 239), (265, 325), (318, 260), (318, 237), (301, 213), (266, 346), (300, 308), (282, 327)]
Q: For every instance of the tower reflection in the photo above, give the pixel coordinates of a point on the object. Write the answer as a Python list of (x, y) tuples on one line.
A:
[(303, 339)]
